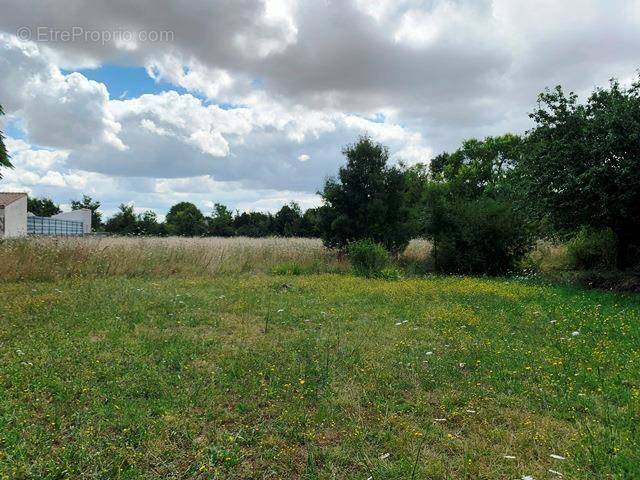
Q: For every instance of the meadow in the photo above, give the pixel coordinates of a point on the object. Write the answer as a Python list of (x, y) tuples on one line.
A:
[(231, 359)]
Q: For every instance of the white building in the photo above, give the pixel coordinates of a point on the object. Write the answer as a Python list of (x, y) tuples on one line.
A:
[(13, 214), (83, 215), (15, 221)]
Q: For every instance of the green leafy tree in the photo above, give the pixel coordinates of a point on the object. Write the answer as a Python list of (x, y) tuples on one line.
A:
[(469, 212), (125, 222), (147, 224), (42, 207), (479, 167), (4, 156), (220, 224), (93, 205), (288, 220), (185, 219), (581, 166), (367, 201), (310, 223), (254, 224)]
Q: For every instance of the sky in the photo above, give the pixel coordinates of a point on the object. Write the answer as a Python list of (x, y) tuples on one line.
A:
[(250, 102)]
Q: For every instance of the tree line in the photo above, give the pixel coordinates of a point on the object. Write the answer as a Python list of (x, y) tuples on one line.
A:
[(574, 174), (186, 219)]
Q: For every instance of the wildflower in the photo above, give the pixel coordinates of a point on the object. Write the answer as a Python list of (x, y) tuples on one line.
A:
[(301, 381), (575, 334)]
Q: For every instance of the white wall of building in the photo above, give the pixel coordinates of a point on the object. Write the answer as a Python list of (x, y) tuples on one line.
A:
[(15, 218), (83, 215)]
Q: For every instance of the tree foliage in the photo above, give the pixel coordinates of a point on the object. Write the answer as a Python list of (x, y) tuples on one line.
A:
[(581, 164), (220, 224), (4, 155), (367, 201), (42, 207), (481, 236), (124, 222), (93, 205), (254, 224), (288, 221), (469, 213), (185, 219)]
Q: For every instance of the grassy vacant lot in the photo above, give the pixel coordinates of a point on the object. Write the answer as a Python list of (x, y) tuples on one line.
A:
[(317, 376)]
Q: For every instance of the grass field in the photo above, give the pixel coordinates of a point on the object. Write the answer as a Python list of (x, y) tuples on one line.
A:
[(316, 376)]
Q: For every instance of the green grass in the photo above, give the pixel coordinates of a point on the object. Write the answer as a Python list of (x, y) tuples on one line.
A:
[(317, 376)]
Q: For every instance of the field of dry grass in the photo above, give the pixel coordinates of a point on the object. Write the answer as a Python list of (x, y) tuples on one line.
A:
[(59, 258)]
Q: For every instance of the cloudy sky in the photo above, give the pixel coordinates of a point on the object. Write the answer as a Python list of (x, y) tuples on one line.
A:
[(249, 102)]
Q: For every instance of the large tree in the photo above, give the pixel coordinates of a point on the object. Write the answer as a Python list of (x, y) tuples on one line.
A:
[(124, 222), (288, 219), (42, 207), (93, 205), (581, 166), (4, 156), (469, 213), (185, 219), (220, 224), (368, 199)]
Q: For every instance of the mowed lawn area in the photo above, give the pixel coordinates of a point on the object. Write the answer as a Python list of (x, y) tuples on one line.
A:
[(317, 376)]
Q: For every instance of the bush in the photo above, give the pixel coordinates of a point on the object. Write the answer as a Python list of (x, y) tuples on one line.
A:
[(592, 249), (367, 257), (289, 268), (389, 273), (481, 236)]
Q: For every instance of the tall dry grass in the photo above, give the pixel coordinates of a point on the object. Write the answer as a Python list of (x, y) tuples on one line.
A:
[(49, 258)]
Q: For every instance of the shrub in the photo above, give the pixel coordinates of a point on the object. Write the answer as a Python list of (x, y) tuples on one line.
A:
[(288, 268), (367, 257), (483, 236), (592, 249), (389, 273)]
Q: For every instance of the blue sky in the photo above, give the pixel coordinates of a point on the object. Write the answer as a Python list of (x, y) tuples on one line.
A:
[(124, 82)]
